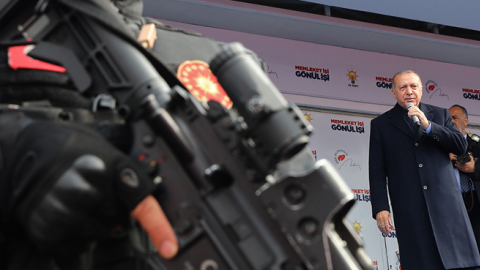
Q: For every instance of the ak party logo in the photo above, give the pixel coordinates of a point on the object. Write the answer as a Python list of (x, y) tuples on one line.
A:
[(357, 226), (308, 117), (352, 77)]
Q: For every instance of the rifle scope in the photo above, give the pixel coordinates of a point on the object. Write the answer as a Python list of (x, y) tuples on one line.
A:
[(277, 128)]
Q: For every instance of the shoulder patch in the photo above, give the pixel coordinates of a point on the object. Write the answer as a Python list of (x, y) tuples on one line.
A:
[(200, 81), (18, 59)]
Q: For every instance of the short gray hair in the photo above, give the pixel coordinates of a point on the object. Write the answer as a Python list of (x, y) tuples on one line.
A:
[(404, 72)]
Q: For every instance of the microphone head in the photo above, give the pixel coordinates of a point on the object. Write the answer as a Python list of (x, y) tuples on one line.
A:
[(410, 104)]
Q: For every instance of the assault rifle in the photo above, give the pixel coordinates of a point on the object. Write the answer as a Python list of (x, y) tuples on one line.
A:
[(240, 185)]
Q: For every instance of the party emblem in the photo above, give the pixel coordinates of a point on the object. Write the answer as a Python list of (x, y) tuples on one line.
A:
[(200, 81)]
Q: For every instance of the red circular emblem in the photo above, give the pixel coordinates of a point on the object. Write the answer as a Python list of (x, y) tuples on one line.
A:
[(200, 81)]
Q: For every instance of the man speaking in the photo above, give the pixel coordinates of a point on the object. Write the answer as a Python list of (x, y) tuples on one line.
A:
[(409, 160)]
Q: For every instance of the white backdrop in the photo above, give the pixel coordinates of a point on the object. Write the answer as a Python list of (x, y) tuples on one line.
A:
[(343, 140)]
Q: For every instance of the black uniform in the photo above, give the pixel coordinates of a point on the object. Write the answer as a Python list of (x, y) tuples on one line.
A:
[(39, 156), (471, 199)]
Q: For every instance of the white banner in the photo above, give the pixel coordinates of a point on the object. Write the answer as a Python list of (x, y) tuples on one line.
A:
[(343, 140), (336, 73)]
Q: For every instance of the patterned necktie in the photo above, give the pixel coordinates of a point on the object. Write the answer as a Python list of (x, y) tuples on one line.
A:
[(464, 181)]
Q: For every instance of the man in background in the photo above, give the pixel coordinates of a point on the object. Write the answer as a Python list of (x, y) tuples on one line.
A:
[(467, 170)]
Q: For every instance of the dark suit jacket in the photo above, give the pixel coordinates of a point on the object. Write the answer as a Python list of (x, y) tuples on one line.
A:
[(431, 222), (475, 176)]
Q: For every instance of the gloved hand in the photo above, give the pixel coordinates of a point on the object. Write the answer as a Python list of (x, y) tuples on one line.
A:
[(67, 186)]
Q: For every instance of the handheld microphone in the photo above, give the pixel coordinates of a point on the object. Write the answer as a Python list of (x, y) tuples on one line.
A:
[(414, 118)]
